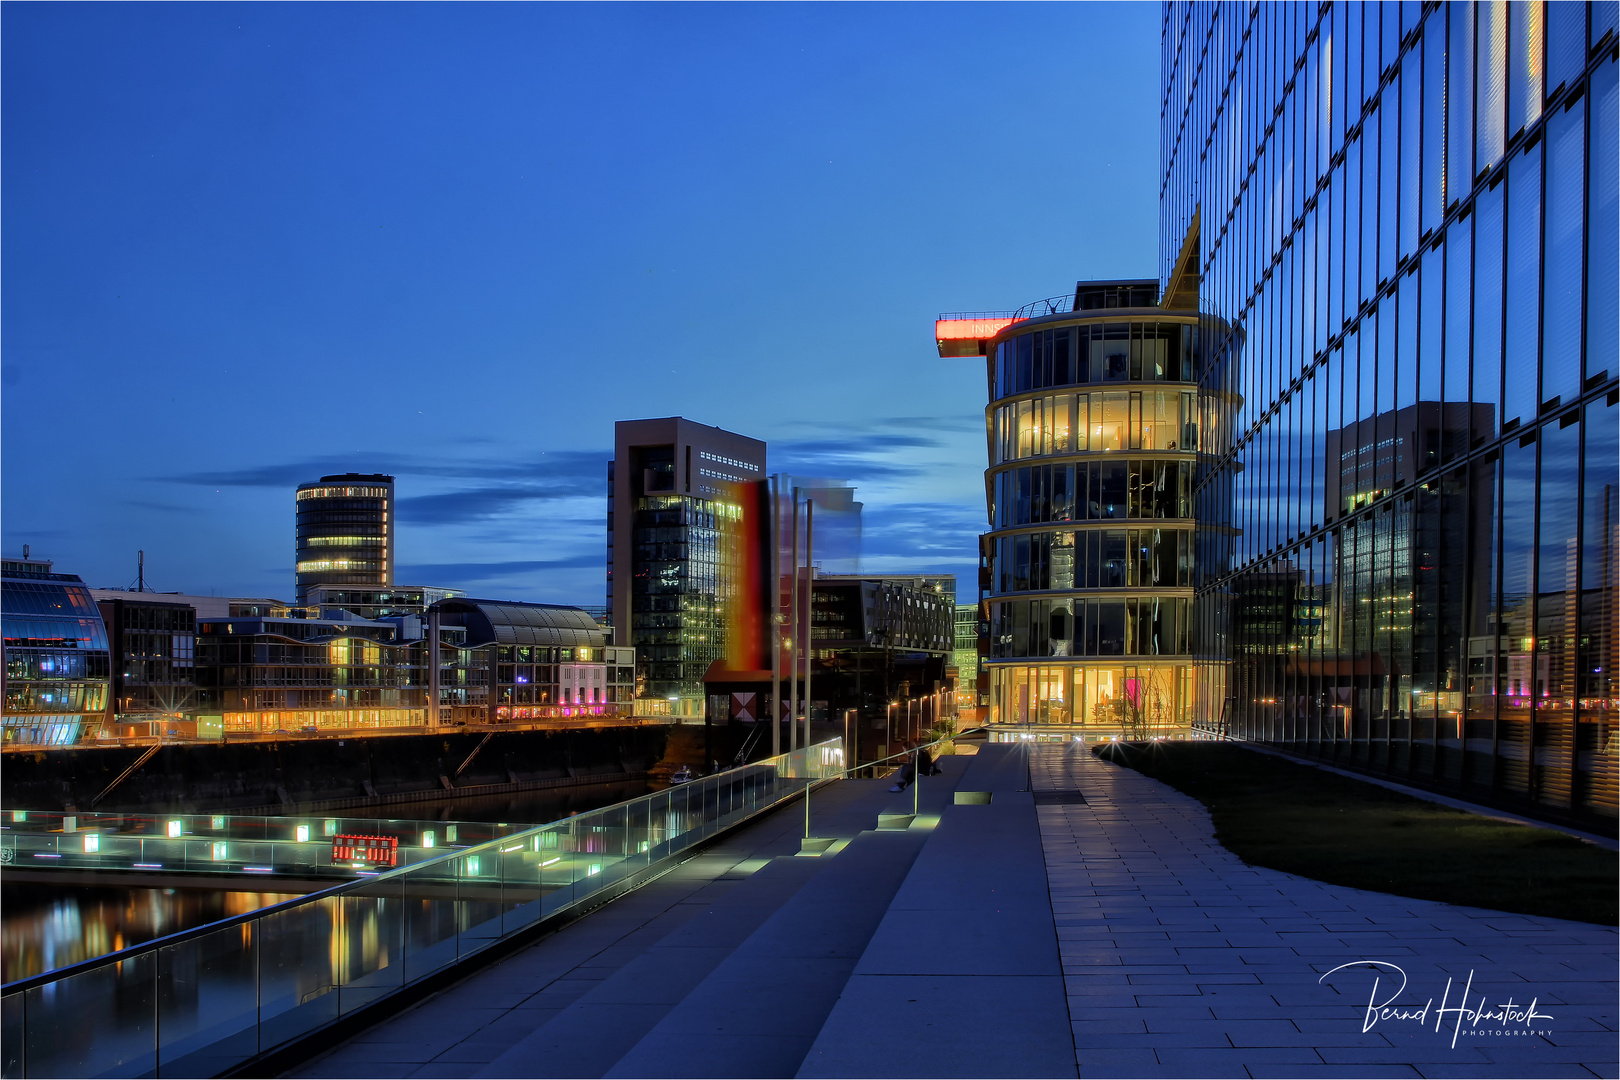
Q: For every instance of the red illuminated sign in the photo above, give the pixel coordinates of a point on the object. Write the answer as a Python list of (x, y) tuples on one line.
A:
[(376, 850), (969, 329)]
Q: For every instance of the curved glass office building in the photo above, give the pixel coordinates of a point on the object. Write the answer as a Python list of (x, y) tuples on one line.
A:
[(345, 532), (56, 656), (1094, 431)]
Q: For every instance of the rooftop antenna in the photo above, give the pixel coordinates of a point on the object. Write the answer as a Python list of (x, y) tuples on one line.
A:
[(140, 571)]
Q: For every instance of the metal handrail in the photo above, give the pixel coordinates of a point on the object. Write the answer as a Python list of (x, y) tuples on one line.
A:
[(1052, 305), (368, 883)]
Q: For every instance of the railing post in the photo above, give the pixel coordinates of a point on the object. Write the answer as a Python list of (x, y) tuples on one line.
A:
[(916, 779)]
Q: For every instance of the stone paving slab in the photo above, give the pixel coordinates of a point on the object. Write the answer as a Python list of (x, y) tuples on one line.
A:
[(1227, 966), (962, 977)]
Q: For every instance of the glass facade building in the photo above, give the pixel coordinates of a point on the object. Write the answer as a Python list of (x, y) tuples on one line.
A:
[(56, 656), (345, 533), (669, 511), (272, 674), (153, 643), (1399, 224), (1094, 427), (965, 655), (501, 661)]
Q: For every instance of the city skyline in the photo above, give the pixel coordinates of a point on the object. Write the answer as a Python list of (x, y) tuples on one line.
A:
[(376, 241)]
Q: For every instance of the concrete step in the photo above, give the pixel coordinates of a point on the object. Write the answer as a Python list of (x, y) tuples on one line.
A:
[(761, 1009), (600, 1026), (962, 976)]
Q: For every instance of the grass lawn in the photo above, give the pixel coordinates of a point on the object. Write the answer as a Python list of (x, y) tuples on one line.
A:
[(1272, 812)]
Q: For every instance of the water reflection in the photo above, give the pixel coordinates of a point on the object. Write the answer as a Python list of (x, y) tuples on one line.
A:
[(44, 927)]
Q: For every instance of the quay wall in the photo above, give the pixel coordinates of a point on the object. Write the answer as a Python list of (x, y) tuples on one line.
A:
[(267, 776)]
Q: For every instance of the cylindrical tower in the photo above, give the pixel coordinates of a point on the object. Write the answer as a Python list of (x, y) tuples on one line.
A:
[(1093, 428), (345, 532)]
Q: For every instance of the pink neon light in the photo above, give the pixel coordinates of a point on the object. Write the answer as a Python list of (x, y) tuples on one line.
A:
[(969, 329)]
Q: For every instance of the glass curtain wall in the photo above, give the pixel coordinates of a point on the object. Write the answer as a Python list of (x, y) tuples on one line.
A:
[(56, 657), (1402, 218), (1093, 432)]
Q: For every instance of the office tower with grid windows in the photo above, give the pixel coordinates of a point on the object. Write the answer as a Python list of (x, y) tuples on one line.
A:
[(345, 533), (670, 505), (1398, 222)]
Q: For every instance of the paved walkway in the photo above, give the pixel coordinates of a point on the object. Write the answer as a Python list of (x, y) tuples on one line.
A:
[(1181, 960), (1092, 926)]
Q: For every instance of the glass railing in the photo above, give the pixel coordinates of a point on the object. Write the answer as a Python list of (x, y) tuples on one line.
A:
[(247, 844), (208, 1000)]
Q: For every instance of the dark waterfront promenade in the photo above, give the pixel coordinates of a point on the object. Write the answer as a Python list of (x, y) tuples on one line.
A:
[(1037, 935)]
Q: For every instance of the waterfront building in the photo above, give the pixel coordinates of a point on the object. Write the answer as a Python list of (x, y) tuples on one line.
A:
[(152, 640), (669, 508), (345, 533), (1399, 222), (1094, 426), (396, 601), (274, 674), (502, 661), (56, 658)]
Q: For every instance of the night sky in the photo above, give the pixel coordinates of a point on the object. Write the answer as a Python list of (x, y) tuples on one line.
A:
[(247, 245)]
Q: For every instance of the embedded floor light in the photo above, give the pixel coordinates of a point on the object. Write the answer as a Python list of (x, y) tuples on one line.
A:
[(301, 833), (427, 838), (221, 850), (174, 829), (92, 842)]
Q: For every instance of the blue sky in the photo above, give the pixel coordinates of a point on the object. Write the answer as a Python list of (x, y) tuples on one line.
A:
[(248, 244)]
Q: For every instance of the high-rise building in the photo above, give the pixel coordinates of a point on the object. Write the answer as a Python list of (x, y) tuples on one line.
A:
[(345, 532), (668, 511), (1399, 223), (1094, 427), (55, 655)]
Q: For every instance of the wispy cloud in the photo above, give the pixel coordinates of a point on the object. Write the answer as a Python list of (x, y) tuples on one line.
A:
[(583, 467), (460, 506), (892, 449), (480, 488), (923, 530), (463, 572)]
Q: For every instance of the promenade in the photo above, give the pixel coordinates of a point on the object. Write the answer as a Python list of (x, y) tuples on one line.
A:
[(1090, 926)]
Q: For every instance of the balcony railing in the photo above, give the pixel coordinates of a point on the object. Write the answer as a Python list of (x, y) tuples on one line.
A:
[(209, 1000), (1052, 305)]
